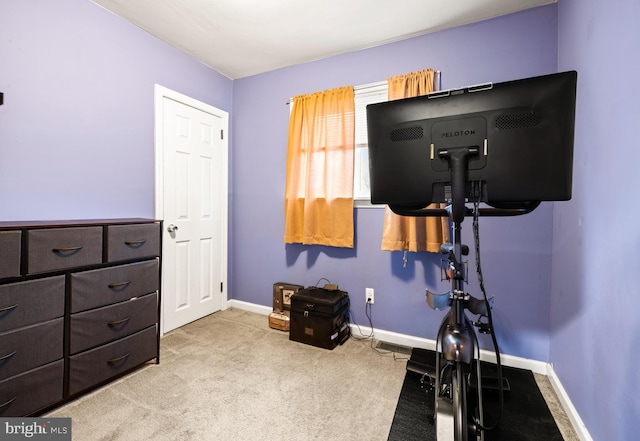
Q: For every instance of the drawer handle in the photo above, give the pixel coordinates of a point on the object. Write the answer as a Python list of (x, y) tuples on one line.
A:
[(70, 250), (9, 308), (135, 243), (121, 285), (118, 322), (3, 405), (119, 359), (8, 356)]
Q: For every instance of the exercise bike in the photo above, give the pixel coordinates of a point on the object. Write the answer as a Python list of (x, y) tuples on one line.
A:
[(495, 143), (457, 377)]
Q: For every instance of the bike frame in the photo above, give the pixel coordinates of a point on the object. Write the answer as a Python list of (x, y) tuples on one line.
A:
[(457, 347), (457, 344)]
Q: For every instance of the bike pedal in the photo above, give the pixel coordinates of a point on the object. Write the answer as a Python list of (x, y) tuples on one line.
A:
[(483, 328), (428, 382)]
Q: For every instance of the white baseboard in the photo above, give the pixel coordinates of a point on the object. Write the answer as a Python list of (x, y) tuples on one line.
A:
[(567, 405), (411, 341), (536, 366), (251, 307)]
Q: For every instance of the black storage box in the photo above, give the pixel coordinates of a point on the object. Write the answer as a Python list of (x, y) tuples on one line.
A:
[(320, 317)]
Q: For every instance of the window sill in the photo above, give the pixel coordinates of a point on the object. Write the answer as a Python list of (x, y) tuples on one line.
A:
[(366, 203)]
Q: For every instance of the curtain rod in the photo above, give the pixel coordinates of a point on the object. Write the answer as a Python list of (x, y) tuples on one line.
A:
[(360, 87), (437, 80)]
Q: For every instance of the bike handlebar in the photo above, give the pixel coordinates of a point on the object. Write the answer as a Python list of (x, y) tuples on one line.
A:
[(504, 209)]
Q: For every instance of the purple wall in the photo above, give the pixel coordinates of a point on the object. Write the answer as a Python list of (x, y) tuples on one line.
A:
[(516, 252), (77, 126), (76, 141), (595, 329)]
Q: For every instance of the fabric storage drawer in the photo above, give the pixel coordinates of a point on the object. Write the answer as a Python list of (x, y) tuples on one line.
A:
[(29, 392), (95, 288), (10, 246), (52, 249), (30, 347), (320, 317), (96, 365), (34, 301), (99, 326), (132, 241)]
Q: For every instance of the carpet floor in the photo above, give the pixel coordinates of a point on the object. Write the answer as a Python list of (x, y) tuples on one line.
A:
[(230, 377)]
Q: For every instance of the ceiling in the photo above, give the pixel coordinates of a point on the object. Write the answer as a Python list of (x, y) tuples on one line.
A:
[(240, 38)]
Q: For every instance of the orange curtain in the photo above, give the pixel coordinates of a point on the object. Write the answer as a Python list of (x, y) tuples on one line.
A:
[(319, 188), (404, 233)]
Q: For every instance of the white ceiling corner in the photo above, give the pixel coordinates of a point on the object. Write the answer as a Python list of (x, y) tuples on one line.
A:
[(240, 38)]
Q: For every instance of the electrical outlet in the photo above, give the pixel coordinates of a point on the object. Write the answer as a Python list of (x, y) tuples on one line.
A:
[(368, 292)]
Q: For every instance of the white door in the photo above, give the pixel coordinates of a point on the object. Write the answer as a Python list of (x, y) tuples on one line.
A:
[(191, 198)]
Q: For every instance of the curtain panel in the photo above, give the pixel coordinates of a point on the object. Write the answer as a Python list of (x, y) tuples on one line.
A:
[(404, 233), (318, 208)]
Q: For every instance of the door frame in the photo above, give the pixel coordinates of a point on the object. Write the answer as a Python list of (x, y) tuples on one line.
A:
[(160, 93)]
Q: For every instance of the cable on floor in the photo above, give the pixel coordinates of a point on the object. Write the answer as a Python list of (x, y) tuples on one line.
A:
[(371, 336)]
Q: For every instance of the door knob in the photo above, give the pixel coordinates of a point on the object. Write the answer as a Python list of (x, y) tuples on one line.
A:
[(172, 228)]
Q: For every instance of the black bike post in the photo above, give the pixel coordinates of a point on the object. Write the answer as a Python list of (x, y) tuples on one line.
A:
[(458, 158), (458, 342)]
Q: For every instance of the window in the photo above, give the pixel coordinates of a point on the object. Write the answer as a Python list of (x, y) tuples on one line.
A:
[(364, 95)]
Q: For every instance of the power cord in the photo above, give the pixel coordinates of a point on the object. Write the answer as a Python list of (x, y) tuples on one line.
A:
[(361, 337), (371, 336), (320, 280), (476, 237)]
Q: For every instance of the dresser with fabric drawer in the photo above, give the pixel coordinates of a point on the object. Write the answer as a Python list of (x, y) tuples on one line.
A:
[(79, 306)]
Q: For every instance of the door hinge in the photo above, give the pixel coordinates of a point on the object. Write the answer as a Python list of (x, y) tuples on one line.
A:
[(221, 134), (221, 287)]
